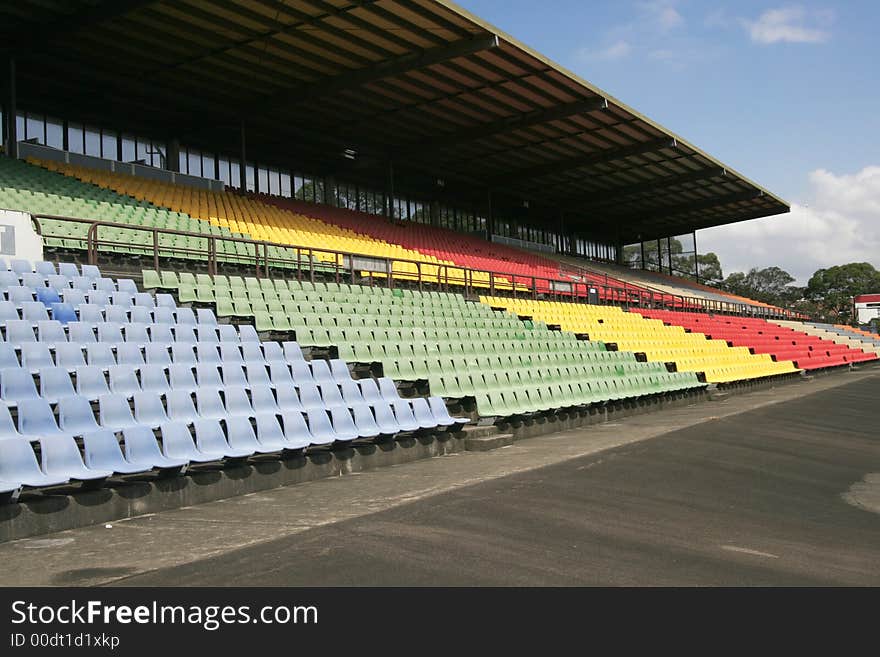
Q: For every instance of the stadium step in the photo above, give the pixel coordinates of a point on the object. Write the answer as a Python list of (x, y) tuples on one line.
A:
[(485, 438)]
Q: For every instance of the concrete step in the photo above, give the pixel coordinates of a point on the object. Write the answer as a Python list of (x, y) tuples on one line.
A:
[(482, 439)]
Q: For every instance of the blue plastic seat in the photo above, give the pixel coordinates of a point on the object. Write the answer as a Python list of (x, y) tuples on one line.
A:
[(207, 334), (123, 299), (247, 333), (114, 412), (100, 354), (177, 443), (180, 376), (75, 298), (153, 379), (321, 372), (34, 311), (279, 374), (140, 315), (33, 281), (240, 435), (310, 396), (370, 391), (206, 317), (165, 301), (17, 385), (227, 333), (295, 430), (388, 389), (47, 296), (292, 352), (21, 266), (61, 458), (123, 380), (45, 268), (35, 355), (301, 372), (19, 295), (339, 369), (351, 393), (109, 332), (207, 353), (63, 312), (364, 421), (257, 374), (60, 282), (331, 395), (209, 403), (343, 423), (252, 352), (129, 354), (116, 314), (185, 333), (404, 415), (269, 433), (19, 332), (182, 353), (180, 406), (8, 279), (98, 297), (230, 353), (35, 418), (422, 413), (101, 451), (237, 401), (272, 352), (142, 299), (160, 333), (82, 283), (441, 413), (51, 333), (91, 272), (320, 427), (7, 426), (185, 316), (75, 416), (127, 285), (263, 399), (141, 447), (68, 269), (91, 382), (163, 315), (233, 375), (8, 357), (287, 398), (148, 409), (8, 311), (55, 384), (105, 284), (18, 464), (91, 314), (135, 333), (68, 355), (156, 354), (210, 438)]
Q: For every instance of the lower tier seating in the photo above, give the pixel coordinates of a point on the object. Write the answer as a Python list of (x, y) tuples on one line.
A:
[(691, 352), (839, 336)]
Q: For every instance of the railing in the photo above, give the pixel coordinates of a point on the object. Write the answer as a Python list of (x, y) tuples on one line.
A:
[(309, 261)]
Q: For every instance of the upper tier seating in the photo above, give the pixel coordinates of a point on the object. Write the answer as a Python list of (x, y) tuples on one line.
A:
[(808, 352), (106, 379), (462, 349), (691, 352)]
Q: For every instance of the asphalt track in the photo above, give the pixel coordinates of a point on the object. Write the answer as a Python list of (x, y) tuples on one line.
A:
[(756, 498)]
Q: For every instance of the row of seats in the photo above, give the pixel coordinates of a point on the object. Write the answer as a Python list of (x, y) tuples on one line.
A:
[(838, 336), (691, 352), (763, 337)]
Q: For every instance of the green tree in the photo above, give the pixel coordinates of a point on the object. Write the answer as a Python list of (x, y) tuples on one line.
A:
[(770, 285), (832, 289)]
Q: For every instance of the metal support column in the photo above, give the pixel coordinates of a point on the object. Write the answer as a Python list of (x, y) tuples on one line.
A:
[(242, 170), (10, 107)]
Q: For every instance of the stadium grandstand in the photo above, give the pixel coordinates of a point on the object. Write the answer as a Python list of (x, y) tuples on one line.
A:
[(258, 228)]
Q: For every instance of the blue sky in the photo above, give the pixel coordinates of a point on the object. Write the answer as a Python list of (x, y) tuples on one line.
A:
[(786, 93)]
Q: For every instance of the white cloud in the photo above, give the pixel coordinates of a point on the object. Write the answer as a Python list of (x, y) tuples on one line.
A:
[(838, 226), (615, 51), (789, 25), (662, 14)]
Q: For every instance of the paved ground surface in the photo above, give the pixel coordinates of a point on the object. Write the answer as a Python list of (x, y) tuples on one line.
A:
[(777, 487)]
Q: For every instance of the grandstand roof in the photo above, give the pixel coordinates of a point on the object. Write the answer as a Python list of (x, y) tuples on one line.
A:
[(422, 83)]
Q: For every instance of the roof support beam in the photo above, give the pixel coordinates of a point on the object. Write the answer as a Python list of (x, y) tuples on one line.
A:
[(607, 155), (508, 124), (378, 71), (604, 197), (668, 211)]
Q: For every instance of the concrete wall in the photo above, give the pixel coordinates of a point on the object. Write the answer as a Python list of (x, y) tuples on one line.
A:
[(18, 239)]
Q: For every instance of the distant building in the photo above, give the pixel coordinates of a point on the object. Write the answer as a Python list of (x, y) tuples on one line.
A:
[(867, 307)]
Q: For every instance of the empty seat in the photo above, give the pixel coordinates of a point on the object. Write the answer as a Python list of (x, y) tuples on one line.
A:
[(91, 382), (404, 415), (55, 384), (129, 354), (263, 399), (148, 409), (35, 355), (441, 413), (296, 431), (240, 435), (210, 438), (61, 458), (18, 464), (114, 412), (422, 413), (100, 354), (157, 354), (19, 332), (237, 401), (292, 352), (209, 403), (35, 418), (101, 451), (185, 316), (180, 407), (206, 317), (340, 370), (64, 313), (320, 427), (75, 416), (153, 379), (123, 380), (230, 353), (141, 447), (365, 421), (177, 443), (17, 385)]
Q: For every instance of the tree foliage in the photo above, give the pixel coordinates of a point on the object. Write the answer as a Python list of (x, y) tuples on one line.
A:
[(832, 289)]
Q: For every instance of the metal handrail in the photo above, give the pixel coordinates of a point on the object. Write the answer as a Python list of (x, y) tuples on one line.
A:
[(446, 275)]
